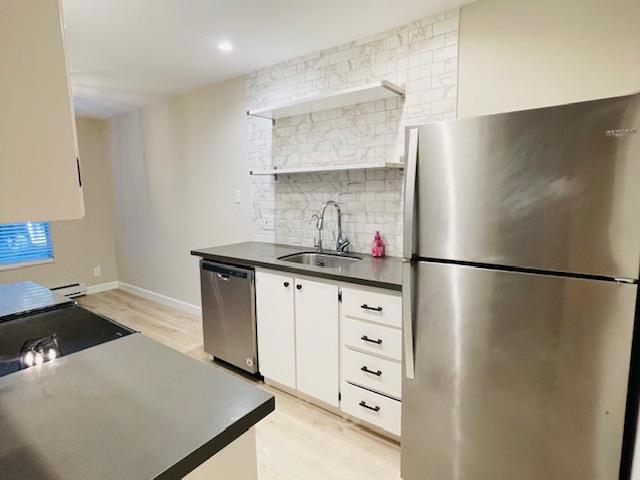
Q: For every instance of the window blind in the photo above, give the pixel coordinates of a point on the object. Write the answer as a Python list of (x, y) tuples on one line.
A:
[(25, 242)]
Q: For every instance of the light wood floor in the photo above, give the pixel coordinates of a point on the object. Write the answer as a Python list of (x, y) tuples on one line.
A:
[(296, 442)]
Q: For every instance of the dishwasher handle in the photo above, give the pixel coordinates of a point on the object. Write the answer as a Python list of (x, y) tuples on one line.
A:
[(225, 272)]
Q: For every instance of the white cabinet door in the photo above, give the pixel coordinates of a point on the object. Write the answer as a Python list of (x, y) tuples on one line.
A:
[(276, 328), (39, 178), (317, 350)]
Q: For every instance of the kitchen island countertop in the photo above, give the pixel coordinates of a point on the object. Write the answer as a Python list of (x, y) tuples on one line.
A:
[(129, 408)]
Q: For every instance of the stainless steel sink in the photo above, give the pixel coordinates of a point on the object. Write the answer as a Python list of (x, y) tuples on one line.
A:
[(326, 260)]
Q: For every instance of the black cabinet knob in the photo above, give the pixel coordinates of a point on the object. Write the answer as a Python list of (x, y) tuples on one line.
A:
[(299, 287), (286, 284)]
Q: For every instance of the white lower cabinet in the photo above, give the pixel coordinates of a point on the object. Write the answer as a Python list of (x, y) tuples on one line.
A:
[(346, 355), (374, 373), (371, 356), (373, 408), (317, 344), (276, 327), (372, 305), (298, 334), (372, 338)]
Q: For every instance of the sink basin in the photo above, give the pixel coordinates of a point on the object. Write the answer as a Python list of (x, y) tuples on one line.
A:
[(327, 260)]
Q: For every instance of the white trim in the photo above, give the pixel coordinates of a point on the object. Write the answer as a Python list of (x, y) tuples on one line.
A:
[(162, 299), (13, 266), (102, 287)]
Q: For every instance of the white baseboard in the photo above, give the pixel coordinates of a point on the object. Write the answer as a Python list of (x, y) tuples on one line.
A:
[(102, 287), (159, 298)]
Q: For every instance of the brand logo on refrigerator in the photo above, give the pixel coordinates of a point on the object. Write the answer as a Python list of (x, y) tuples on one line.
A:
[(621, 132)]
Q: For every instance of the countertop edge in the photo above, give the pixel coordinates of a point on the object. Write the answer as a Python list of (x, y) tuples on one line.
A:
[(301, 271), (199, 456)]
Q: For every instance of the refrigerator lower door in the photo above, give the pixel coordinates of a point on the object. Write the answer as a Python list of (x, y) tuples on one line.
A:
[(517, 376)]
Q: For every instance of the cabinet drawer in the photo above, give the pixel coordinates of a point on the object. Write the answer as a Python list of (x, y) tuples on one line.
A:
[(372, 306), (371, 337), (381, 411), (384, 376)]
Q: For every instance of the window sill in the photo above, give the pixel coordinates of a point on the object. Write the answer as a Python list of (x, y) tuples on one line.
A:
[(14, 266)]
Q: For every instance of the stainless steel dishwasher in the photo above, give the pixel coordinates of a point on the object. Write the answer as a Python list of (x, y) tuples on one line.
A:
[(229, 314)]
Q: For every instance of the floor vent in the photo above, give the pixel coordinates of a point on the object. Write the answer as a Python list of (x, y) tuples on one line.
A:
[(72, 290)]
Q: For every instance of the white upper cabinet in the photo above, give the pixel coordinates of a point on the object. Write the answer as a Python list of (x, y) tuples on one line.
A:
[(39, 173)]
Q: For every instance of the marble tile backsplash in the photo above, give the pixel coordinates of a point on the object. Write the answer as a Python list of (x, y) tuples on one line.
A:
[(421, 56)]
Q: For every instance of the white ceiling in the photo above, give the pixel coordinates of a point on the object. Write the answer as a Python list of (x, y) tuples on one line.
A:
[(126, 53)]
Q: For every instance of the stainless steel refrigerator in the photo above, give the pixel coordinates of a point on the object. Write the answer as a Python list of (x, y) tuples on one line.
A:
[(522, 252)]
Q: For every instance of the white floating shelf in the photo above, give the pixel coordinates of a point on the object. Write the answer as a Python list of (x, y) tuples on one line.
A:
[(328, 168), (341, 98)]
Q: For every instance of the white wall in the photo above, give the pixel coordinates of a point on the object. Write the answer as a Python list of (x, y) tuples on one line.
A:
[(79, 245), (519, 54), (176, 167), (420, 56)]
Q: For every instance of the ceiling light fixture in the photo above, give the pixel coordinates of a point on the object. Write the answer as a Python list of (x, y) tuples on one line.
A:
[(225, 46)]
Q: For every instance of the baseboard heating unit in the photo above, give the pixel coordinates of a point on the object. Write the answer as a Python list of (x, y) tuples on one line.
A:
[(71, 290)]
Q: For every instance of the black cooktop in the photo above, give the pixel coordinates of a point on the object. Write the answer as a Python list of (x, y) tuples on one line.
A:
[(71, 327)]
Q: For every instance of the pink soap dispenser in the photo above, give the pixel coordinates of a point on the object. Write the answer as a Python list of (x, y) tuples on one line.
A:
[(377, 246)]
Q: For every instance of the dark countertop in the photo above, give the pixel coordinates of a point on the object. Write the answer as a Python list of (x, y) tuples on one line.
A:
[(383, 272), (17, 299), (129, 408)]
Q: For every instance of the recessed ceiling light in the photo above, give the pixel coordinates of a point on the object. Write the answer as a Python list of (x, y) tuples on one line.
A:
[(225, 46)]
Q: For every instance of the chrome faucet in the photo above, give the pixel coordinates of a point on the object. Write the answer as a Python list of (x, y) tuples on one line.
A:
[(341, 241)]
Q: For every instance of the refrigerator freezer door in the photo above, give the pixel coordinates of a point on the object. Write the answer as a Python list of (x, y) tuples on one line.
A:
[(549, 189), (518, 376)]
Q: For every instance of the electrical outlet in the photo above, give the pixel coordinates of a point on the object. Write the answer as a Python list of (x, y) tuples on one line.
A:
[(238, 196), (97, 271), (267, 222)]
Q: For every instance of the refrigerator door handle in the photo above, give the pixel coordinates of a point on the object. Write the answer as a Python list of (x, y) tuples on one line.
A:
[(408, 250), (410, 193), (407, 318), (411, 168)]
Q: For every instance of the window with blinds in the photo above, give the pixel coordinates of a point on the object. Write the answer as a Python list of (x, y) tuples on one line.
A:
[(24, 243)]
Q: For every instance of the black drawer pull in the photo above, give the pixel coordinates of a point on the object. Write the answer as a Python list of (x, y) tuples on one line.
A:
[(366, 370), (367, 339), (367, 307), (286, 284), (299, 287), (364, 404)]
